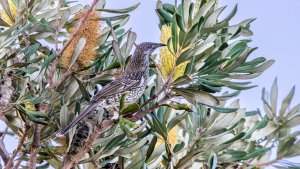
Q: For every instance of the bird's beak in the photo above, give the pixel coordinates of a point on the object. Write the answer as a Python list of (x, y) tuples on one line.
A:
[(161, 45)]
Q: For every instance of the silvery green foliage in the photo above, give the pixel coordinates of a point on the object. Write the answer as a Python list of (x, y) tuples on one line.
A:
[(211, 129)]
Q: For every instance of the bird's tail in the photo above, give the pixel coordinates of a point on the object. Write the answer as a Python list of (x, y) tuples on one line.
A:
[(82, 115)]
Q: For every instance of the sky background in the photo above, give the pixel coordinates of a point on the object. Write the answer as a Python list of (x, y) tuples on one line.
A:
[(276, 34)]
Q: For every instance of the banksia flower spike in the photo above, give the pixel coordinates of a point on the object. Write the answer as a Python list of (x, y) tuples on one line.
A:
[(168, 58), (13, 11), (89, 31)]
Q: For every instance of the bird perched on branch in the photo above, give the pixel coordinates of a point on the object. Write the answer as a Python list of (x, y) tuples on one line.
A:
[(131, 82)]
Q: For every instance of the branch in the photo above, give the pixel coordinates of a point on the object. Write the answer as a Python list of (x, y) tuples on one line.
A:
[(3, 152), (35, 146), (141, 114), (21, 143), (61, 51)]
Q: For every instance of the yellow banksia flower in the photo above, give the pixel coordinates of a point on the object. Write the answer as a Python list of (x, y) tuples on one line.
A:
[(172, 137), (179, 71), (13, 10), (167, 58), (90, 30)]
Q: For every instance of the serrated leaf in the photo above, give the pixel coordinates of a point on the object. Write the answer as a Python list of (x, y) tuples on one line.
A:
[(125, 10)]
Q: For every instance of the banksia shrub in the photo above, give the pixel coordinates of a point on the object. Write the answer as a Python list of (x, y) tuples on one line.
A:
[(90, 31), (189, 115)]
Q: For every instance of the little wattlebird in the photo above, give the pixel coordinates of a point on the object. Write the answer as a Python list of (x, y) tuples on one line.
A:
[(131, 82)]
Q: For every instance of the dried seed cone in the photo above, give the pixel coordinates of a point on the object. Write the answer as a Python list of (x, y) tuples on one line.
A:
[(91, 32)]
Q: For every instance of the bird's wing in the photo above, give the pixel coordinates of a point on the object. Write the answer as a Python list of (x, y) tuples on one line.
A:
[(120, 85)]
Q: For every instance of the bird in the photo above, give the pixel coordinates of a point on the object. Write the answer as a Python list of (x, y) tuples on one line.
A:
[(131, 82)]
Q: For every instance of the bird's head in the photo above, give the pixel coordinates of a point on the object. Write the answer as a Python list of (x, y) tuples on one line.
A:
[(147, 48)]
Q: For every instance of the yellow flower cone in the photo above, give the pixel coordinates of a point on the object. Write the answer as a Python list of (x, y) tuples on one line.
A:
[(13, 10), (89, 31), (167, 58)]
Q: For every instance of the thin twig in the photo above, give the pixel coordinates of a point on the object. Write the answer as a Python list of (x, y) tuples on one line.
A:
[(35, 146), (36, 142), (21, 143), (61, 51), (19, 161), (3, 152)]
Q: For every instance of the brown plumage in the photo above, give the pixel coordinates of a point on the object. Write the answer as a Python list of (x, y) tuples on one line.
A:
[(132, 82)]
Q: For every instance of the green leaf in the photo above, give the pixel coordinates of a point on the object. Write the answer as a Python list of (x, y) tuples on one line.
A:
[(178, 147), (174, 34), (151, 147), (64, 116), (37, 120), (237, 137), (224, 109), (180, 22), (187, 158), (31, 50), (48, 60), (82, 89), (169, 8), (165, 15), (117, 53), (122, 100), (78, 48), (36, 114), (125, 10), (274, 96), (197, 96), (130, 108), (286, 102), (256, 153), (176, 120), (212, 161), (178, 106), (286, 146)]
